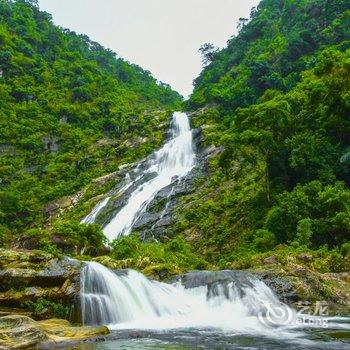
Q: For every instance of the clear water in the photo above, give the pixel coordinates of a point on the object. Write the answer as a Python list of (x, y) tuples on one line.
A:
[(207, 339)]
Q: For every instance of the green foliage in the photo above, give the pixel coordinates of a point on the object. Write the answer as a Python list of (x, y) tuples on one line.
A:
[(47, 308), (277, 100), (304, 233), (80, 236), (270, 52), (41, 239), (345, 250), (312, 208), (321, 260), (264, 240), (2, 235), (176, 252), (70, 111)]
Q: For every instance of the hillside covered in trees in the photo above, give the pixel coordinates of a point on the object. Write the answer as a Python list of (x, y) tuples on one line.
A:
[(274, 103), (68, 110), (277, 100)]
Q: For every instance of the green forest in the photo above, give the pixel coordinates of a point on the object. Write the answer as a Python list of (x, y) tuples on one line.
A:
[(277, 99), (68, 110)]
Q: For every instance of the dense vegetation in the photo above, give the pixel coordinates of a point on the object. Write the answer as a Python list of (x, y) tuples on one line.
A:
[(277, 99), (70, 111)]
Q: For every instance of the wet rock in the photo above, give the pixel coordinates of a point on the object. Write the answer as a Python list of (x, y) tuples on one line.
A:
[(270, 260), (62, 331), (20, 332), (163, 222), (284, 289), (217, 281), (119, 200), (160, 213), (293, 283), (146, 219)]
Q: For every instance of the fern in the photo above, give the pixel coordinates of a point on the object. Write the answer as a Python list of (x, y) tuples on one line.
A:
[(346, 156)]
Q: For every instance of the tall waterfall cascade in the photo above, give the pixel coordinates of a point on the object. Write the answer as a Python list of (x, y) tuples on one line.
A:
[(173, 161), (128, 300)]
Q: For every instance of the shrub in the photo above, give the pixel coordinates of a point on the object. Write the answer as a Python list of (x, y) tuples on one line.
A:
[(177, 252), (345, 249), (50, 308), (80, 236), (304, 233), (264, 240)]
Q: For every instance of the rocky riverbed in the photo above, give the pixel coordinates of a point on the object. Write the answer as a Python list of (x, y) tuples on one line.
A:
[(36, 288)]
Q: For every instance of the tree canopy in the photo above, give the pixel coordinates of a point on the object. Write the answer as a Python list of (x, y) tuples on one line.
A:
[(68, 108)]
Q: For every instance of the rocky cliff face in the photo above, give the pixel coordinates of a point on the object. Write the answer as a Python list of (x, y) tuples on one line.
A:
[(37, 283)]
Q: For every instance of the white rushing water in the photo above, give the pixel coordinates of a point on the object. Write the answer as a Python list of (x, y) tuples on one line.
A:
[(232, 307), (90, 219), (175, 159), (129, 300)]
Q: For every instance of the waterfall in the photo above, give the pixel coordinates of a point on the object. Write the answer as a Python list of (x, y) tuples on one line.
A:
[(174, 160), (90, 218), (128, 300)]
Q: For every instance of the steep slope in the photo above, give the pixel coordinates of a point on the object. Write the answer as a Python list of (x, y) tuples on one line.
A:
[(274, 46), (70, 111), (277, 100)]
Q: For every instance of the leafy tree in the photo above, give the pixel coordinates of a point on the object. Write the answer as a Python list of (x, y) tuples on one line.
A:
[(81, 236), (208, 52)]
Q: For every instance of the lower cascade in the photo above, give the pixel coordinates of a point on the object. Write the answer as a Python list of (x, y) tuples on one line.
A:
[(127, 299)]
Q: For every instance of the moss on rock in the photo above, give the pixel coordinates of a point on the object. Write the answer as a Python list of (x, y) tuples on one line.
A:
[(21, 332)]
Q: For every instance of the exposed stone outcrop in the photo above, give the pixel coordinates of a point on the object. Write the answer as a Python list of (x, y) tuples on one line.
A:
[(26, 276), (295, 283), (122, 170), (22, 332), (58, 206), (153, 270)]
